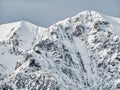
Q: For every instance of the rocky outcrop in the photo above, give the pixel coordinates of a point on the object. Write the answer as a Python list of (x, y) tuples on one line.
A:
[(78, 53)]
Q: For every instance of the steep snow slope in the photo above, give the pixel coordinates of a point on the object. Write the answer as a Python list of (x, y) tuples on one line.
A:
[(78, 53), (15, 39), (115, 24)]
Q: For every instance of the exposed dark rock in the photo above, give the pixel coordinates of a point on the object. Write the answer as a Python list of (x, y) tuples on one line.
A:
[(78, 30)]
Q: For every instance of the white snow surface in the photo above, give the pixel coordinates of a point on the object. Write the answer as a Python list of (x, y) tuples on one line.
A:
[(79, 53), (15, 40)]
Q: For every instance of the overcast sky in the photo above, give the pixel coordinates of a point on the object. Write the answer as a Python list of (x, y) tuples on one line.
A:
[(47, 12)]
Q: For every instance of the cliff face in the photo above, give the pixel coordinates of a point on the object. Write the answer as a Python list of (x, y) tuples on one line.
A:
[(78, 53)]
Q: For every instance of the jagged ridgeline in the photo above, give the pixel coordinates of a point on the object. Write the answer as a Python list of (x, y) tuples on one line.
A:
[(78, 53)]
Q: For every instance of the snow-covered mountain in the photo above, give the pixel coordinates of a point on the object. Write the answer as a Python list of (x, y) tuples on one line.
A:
[(78, 53), (16, 39)]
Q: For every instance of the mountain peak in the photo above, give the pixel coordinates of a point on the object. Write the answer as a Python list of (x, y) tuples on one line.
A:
[(79, 53)]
